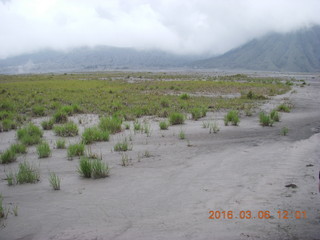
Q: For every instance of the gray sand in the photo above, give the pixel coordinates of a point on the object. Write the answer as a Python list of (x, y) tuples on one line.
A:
[(169, 194)]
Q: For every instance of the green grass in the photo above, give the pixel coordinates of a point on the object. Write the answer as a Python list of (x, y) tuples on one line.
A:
[(2, 209), (284, 108), (93, 168), (182, 135), (110, 124), (176, 118), (184, 96), (94, 134), (60, 117), (137, 126), (274, 115), (43, 150), (61, 144), (27, 173), (8, 124), (164, 125), (198, 113), (54, 181), (39, 111), (265, 119), (30, 135), (75, 150), (232, 117), (19, 148), (121, 146), (8, 156), (69, 129), (47, 125), (284, 131)]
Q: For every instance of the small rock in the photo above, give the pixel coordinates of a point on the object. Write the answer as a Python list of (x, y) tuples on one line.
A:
[(291, 185)]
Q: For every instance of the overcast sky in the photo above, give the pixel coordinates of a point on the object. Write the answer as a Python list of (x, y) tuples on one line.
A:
[(179, 26)]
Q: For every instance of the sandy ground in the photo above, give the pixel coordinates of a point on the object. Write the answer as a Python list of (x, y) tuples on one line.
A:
[(169, 194)]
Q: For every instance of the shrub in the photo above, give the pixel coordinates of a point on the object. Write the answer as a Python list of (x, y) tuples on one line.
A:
[(43, 150), (93, 168), (233, 117), (94, 134), (54, 181), (47, 125), (121, 146), (110, 124), (164, 125), (184, 96), (265, 119), (38, 111), (283, 108), (75, 150), (8, 156), (69, 129), (274, 115), (60, 117), (61, 144), (30, 134), (176, 118), (19, 148), (27, 174)]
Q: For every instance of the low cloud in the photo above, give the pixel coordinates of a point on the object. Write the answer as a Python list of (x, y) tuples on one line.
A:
[(183, 27)]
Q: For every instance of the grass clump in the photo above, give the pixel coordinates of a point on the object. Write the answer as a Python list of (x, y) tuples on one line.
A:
[(284, 131), (54, 181), (164, 125), (94, 134), (2, 210), (19, 148), (60, 117), (137, 126), (75, 150), (43, 150), (8, 156), (213, 127), (27, 173), (30, 135), (110, 124), (274, 115), (38, 111), (69, 129), (197, 113), (176, 118), (8, 124), (233, 117), (265, 119), (184, 96), (47, 125), (283, 108), (182, 135), (61, 144), (93, 168), (121, 146)]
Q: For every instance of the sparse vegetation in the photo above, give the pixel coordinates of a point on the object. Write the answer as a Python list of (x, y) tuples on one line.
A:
[(121, 146), (164, 125), (69, 129), (137, 126), (94, 134), (43, 150), (75, 150), (30, 135), (284, 108), (93, 168), (111, 124), (176, 118), (233, 117), (265, 119), (54, 181), (61, 144), (182, 135)]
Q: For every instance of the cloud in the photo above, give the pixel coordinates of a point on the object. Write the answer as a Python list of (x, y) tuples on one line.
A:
[(178, 26)]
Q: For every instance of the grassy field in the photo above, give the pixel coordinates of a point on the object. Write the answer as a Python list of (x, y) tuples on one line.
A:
[(129, 95)]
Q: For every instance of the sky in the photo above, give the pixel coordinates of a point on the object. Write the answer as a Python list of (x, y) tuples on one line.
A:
[(207, 27)]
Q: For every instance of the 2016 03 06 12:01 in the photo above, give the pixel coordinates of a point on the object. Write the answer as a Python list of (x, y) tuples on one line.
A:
[(263, 214)]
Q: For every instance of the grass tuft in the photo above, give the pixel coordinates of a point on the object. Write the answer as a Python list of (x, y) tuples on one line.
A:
[(274, 115), (94, 134), (43, 150), (184, 96), (75, 150), (47, 125), (61, 144), (27, 173), (164, 125), (284, 131), (54, 181), (265, 119), (121, 146), (93, 168), (182, 135), (110, 124), (39, 111), (69, 129), (176, 118), (284, 108), (60, 117), (30, 135), (233, 117), (8, 156)]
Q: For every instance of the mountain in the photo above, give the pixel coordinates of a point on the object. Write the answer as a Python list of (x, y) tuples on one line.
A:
[(92, 59), (297, 51)]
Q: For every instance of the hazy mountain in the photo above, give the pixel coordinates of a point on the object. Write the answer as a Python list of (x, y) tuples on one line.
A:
[(92, 59), (295, 52)]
